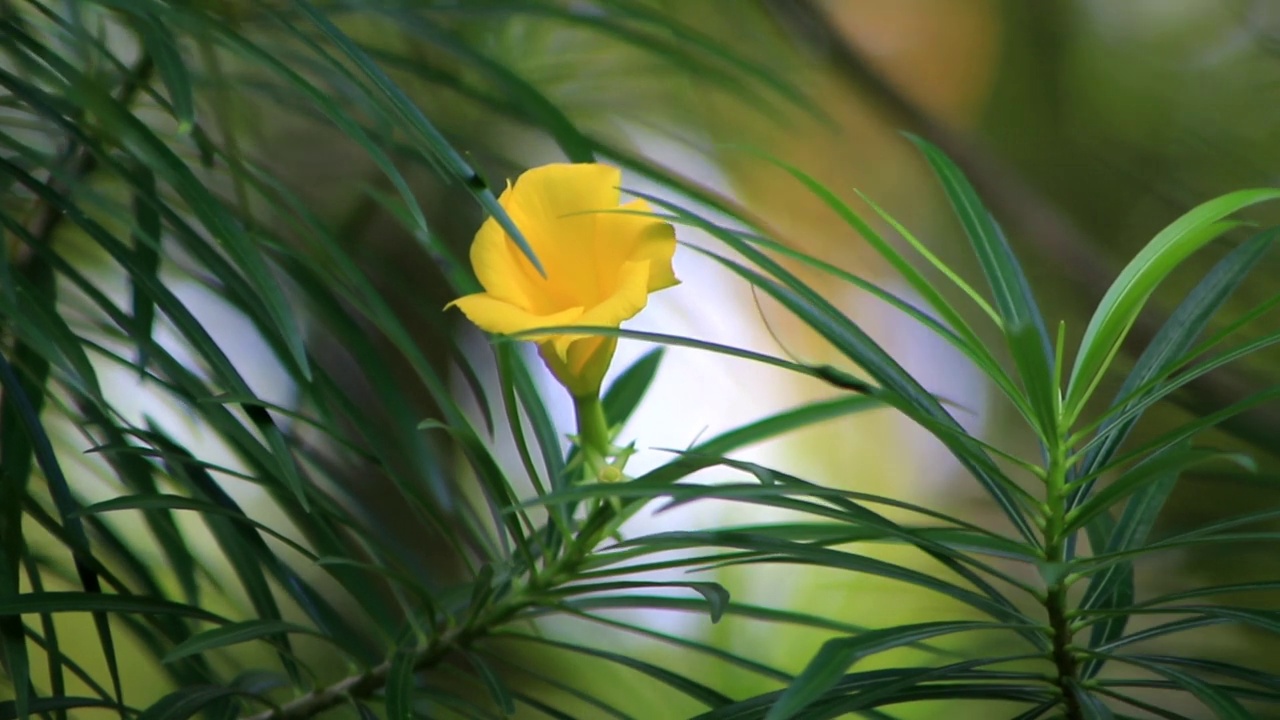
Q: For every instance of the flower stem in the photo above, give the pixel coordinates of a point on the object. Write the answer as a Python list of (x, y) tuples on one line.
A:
[(593, 428)]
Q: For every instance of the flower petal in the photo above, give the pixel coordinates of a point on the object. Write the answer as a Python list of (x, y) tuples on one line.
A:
[(500, 317), (555, 208), (601, 265), (630, 297), (551, 193), (497, 263), (654, 240)]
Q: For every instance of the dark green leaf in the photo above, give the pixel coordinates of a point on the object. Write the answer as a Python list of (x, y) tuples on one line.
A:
[(185, 702), (69, 601), (717, 597), (493, 684), (9, 709), (433, 140), (1219, 702), (400, 684), (1173, 340), (625, 393), (234, 634), (159, 42), (680, 683), (1024, 327), (835, 657)]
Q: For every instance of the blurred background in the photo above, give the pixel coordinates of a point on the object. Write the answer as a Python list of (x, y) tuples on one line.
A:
[(1086, 125)]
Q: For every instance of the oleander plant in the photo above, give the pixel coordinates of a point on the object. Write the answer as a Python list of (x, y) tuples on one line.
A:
[(313, 404)]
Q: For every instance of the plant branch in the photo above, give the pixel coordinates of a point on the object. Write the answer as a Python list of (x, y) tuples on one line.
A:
[(1056, 572), (592, 531), (359, 686)]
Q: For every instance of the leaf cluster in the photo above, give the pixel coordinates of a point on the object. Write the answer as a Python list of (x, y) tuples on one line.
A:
[(245, 564)]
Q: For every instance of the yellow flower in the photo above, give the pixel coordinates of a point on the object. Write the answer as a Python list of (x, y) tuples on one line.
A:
[(600, 267)]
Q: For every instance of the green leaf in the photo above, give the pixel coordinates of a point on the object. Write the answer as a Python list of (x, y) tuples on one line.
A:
[(92, 602), (534, 104), (1201, 423), (1174, 461), (962, 340), (953, 328), (1152, 710), (148, 148), (17, 448), (899, 388), (1091, 706), (769, 549), (493, 684), (50, 644), (1038, 711), (400, 684), (697, 691), (507, 362), (1210, 590), (1021, 321), (1174, 339), (39, 445), (138, 476), (234, 634), (965, 684), (1114, 586), (498, 493), (716, 595), (550, 680), (192, 331), (163, 501), (9, 708), (1220, 703), (243, 549), (1126, 297), (683, 644), (1231, 670), (625, 393), (689, 605), (159, 42), (836, 656), (433, 140), (906, 680), (185, 702)]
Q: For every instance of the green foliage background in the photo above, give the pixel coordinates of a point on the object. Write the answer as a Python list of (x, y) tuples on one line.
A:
[(249, 468)]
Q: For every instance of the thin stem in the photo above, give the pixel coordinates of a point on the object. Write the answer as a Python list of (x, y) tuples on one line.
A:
[(596, 442), (593, 429), (1055, 538)]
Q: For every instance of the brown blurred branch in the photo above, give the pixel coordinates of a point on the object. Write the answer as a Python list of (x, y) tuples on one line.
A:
[(1058, 239)]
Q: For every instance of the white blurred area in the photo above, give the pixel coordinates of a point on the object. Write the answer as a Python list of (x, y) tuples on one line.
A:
[(141, 403)]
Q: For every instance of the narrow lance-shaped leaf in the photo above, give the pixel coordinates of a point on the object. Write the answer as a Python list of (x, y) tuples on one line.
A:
[(1171, 342), (1114, 587), (1126, 297), (1023, 325), (436, 143), (146, 248), (160, 42), (16, 454), (149, 148), (35, 442)]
